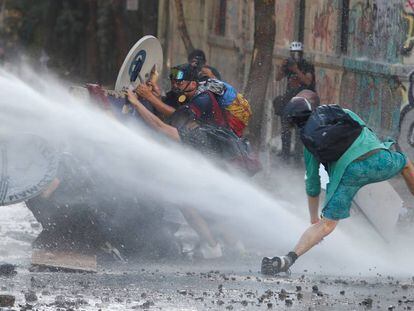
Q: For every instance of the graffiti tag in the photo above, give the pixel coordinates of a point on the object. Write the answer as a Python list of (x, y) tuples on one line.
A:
[(408, 15)]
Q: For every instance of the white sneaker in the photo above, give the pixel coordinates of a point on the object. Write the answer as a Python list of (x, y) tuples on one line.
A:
[(211, 252)]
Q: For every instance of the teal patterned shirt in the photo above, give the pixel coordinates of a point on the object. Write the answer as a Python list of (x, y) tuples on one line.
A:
[(365, 142)]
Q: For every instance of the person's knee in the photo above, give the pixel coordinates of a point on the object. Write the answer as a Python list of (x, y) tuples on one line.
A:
[(328, 226)]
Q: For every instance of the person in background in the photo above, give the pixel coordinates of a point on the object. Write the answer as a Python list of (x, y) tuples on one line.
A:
[(300, 75), (197, 58)]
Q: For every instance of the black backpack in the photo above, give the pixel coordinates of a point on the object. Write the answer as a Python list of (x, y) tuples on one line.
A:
[(222, 143), (234, 149), (329, 132)]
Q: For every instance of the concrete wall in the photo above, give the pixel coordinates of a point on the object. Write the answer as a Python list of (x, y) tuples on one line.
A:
[(321, 26), (286, 20), (376, 30), (371, 76)]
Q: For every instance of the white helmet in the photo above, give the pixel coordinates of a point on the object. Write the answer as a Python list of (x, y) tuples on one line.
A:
[(296, 46)]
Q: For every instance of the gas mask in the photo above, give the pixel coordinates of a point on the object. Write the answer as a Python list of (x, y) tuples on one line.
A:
[(179, 95), (183, 78)]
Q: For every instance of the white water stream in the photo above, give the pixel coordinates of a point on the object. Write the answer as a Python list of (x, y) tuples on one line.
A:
[(168, 172)]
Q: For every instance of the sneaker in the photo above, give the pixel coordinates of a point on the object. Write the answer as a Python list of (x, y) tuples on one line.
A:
[(275, 265)]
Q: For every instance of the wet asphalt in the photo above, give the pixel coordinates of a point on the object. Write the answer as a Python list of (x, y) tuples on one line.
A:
[(226, 284), (212, 285)]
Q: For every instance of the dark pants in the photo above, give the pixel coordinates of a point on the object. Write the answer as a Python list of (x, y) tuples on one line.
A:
[(286, 134)]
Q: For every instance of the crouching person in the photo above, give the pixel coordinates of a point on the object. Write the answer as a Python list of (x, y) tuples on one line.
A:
[(215, 142), (353, 157)]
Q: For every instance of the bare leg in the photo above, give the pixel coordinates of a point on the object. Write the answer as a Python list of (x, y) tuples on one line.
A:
[(314, 234), (408, 174), (198, 223)]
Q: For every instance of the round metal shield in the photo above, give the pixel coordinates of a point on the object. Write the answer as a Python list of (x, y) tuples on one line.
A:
[(28, 164), (144, 57)]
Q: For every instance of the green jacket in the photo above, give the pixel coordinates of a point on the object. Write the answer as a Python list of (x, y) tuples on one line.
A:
[(365, 142)]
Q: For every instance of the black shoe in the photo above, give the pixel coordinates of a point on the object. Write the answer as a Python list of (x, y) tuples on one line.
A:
[(276, 265)]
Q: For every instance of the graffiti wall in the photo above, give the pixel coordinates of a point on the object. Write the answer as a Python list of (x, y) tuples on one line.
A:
[(377, 99), (406, 137), (328, 82), (408, 44), (286, 11), (380, 44), (321, 26), (377, 29)]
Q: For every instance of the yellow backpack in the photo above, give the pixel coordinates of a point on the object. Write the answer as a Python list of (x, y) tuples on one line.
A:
[(240, 109)]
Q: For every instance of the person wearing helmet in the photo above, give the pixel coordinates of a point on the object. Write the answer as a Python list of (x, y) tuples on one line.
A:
[(299, 72), (184, 94), (352, 155), (300, 75)]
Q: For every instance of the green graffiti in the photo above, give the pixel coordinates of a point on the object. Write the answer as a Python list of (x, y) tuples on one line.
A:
[(376, 30), (376, 98)]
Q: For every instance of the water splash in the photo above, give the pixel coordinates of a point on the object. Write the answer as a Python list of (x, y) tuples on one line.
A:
[(156, 168)]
